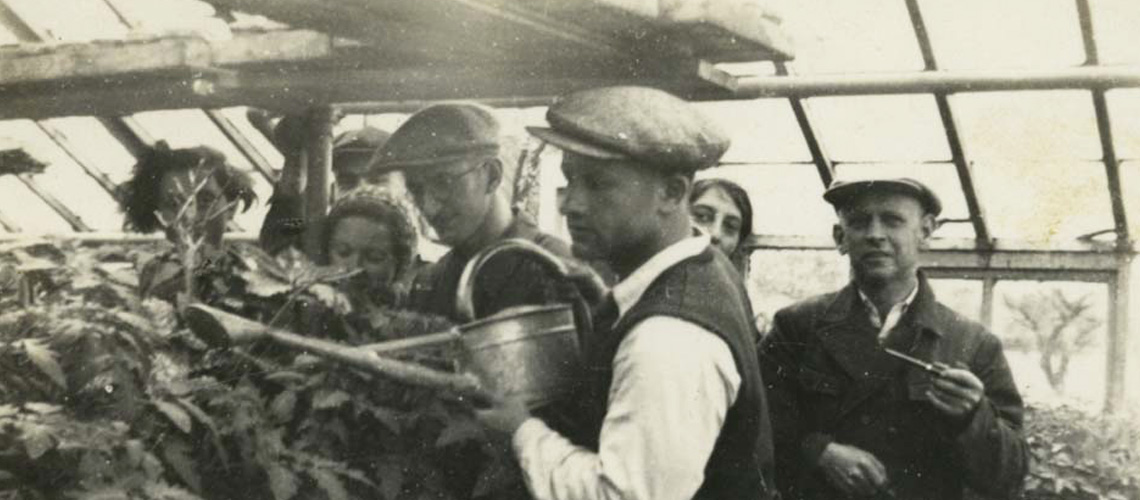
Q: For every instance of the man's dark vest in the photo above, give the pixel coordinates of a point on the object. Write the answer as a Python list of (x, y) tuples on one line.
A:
[(707, 291)]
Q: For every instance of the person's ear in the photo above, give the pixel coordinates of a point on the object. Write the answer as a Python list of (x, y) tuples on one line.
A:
[(840, 238), (494, 168), (928, 225)]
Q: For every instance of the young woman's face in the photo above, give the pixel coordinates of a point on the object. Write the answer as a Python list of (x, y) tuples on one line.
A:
[(209, 214), (363, 243), (718, 215)]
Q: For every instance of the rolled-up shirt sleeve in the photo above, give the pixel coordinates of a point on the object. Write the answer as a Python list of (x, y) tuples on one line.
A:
[(673, 384)]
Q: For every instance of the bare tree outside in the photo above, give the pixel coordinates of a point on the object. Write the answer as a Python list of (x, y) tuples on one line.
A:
[(1057, 325)]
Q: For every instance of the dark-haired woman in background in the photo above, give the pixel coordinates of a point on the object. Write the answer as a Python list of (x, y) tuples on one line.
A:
[(158, 197), (723, 210)]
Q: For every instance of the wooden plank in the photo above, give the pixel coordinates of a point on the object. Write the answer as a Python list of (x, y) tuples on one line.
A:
[(289, 89), (39, 62)]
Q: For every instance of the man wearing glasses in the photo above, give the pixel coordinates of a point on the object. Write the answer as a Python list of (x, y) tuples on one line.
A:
[(450, 155)]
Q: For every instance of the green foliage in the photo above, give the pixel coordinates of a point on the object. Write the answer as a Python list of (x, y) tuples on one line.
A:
[(1081, 456), (104, 395)]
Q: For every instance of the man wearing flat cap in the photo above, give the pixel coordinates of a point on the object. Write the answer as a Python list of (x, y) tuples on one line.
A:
[(451, 158), (851, 420), (672, 407)]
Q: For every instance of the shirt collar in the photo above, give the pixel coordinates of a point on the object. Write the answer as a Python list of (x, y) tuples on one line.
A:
[(629, 291), (902, 306)]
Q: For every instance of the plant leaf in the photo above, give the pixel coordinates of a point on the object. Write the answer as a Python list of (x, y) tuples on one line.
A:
[(330, 399), (177, 455), (332, 485), (44, 359), (37, 441), (283, 405), (282, 482), (391, 480), (176, 414), (42, 408), (458, 431)]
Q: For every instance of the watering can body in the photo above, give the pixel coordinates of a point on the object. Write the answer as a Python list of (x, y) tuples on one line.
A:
[(532, 352)]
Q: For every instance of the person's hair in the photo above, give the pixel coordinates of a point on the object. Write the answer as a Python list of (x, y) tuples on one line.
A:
[(140, 197), (738, 195), (372, 204)]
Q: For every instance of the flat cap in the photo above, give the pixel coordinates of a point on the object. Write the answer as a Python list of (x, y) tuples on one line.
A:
[(646, 125), (358, 143), (437, 135), (841, 193)]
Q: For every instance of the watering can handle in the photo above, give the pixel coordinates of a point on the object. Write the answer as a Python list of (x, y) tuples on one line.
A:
[(464, 301)]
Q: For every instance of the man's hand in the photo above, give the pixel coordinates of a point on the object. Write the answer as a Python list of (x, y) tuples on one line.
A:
[(852, 470), (956, 392), (504, 415)]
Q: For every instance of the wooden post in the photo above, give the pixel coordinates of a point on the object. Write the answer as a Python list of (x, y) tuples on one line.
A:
[(1120, 297), (318, 153)]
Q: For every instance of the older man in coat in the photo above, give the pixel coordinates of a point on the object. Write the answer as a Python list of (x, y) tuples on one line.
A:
[(852, 421)]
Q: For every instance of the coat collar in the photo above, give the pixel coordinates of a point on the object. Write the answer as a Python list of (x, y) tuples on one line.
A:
[(923, 314)]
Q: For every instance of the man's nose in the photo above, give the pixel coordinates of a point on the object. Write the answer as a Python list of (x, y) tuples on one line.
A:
[(570, 201), (875, 230)]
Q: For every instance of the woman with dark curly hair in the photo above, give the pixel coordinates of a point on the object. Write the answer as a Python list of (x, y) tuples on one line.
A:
[(156, 197), (723, 210), (368, 229)]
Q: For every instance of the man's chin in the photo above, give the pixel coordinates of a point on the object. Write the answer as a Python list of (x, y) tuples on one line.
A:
[(585, 251)]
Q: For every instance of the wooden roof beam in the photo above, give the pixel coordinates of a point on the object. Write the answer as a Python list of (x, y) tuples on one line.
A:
[(43, 62)]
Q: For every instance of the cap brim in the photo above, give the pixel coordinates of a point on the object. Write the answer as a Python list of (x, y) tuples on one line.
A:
[(841, 195), (416, 164), (575, 145)]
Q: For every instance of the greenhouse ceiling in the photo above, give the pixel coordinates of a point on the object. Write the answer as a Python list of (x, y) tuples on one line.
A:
[(1056, 164)]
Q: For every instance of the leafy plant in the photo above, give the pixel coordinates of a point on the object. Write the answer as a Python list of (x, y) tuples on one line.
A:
[(1081, 456)]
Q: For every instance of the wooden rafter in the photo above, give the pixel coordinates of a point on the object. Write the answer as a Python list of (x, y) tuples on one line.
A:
[(45, 62), (247, 149)]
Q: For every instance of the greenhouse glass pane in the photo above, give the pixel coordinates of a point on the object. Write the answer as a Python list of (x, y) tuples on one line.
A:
[(27, 210), (1124, 114), (942, 178), (186, 128), (880, 128), (84, 20), (762, 131), (786, 199), (963, 296), (1130, 184), (1044, 201), (64, 179), (261, 143), (1114, 26), (1027, 313), (863, 36), (94, 143), (780, 278), (984, 34), (7, 37), (1053, 125)]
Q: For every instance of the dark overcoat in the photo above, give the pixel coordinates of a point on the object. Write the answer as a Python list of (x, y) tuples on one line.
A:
[(829, 380)]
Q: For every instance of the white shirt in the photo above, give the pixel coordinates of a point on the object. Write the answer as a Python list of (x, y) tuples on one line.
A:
[(672, 386), (893, 316)]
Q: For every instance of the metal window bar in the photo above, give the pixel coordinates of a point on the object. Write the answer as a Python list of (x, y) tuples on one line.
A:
[(242, 143), (819, 156), (66, 145), (950, 125)]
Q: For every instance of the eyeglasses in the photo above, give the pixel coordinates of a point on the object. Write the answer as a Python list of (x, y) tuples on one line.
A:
[(440, 186)]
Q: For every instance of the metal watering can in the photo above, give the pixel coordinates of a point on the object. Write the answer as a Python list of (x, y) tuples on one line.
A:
[(527, 351)]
